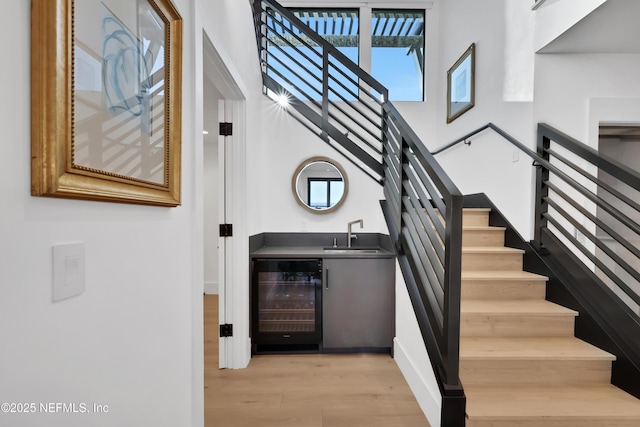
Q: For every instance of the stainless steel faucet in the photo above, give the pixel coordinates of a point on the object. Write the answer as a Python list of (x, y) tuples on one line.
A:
[(350, 235)]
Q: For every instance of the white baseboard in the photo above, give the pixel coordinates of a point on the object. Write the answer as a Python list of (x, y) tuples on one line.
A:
[(424, 389), (211, 288)]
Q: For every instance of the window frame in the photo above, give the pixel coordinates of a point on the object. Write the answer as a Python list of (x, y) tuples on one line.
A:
[(365, 17)]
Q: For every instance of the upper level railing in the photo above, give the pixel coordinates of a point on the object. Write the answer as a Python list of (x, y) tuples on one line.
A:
[(330, 95)]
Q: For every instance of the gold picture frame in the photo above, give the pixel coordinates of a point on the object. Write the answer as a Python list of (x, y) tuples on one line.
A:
[(106, 100), (461, 85)]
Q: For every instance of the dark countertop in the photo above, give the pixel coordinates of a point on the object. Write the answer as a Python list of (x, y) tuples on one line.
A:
[(312, 245)]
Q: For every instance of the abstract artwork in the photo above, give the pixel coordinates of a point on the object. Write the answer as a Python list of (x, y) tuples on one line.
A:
[(120, 106)]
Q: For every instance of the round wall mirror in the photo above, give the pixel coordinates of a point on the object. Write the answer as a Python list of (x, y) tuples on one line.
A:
[(320, 185)]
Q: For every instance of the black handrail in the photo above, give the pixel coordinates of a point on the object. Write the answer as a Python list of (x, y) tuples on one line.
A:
[(497, 130)]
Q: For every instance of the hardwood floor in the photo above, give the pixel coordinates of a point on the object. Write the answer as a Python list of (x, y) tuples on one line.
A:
[(305, 390)]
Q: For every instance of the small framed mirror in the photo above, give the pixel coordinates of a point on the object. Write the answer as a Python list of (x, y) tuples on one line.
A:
[(320, 185)]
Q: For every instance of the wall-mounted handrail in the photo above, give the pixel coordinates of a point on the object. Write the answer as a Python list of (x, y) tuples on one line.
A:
[(493, 127)]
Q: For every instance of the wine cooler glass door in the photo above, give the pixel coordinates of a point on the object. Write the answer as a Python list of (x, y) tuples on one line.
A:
[(288, 303)]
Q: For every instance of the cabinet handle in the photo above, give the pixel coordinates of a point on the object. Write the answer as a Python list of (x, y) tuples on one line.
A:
[(326, 278)]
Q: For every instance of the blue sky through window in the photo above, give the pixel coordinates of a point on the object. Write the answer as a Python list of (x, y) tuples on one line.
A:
[(397, 56)]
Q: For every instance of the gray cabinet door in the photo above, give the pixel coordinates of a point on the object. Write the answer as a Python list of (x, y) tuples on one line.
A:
[(358, 303)]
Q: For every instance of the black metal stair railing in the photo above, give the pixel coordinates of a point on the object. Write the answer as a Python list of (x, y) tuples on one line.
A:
[(589, 202), (346, 107), (320, 86), (587, 231)]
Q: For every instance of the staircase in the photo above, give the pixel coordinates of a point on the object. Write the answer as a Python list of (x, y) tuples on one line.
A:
[(520, 364), (519, 361)]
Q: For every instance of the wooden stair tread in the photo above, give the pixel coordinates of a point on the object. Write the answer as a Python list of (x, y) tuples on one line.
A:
[(482, 228), (515, 307), (501, 275), (602, 401), (490, 250), (545, 348)]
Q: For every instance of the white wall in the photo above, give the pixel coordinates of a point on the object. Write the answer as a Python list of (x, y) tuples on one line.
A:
[(574, 92), (412, 357), (127, 341), (555, 17), (283, 146), (503, 96)]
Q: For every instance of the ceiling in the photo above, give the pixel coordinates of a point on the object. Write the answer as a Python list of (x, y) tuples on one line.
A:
[(613, 27)]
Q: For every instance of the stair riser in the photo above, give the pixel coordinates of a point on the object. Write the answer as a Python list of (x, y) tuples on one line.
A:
[(491, 261), (509, 325), (538, 372), (471, 238), (503, 290), (475, 218)]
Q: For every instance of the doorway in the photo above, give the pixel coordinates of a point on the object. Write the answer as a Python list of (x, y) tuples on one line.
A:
[(622, 144), (225, 258)]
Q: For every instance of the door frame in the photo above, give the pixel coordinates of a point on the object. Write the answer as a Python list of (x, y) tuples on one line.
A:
[(233, 275)]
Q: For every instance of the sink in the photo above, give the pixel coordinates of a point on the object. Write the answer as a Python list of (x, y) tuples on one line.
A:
[(352, 250)]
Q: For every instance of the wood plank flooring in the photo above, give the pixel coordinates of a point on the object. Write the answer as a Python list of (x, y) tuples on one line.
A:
[(316, 390)]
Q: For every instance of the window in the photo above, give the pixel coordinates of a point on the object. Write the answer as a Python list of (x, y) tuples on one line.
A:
[(397, 52), (324, 192), (341, 28), (297, 59)]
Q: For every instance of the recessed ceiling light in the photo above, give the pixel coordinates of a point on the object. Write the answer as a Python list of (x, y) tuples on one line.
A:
[(205, 132)]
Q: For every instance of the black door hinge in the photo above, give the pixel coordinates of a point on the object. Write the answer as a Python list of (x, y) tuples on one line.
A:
[(226, 129), (226, 230), (226, 330)]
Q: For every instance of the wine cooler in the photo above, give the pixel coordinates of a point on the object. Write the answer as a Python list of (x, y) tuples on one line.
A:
[(286, 305)]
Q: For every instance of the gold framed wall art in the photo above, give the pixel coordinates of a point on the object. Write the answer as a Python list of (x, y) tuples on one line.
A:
[(106, 100)]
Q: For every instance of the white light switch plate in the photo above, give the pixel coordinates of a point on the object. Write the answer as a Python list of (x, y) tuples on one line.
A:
[(68, 270)]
